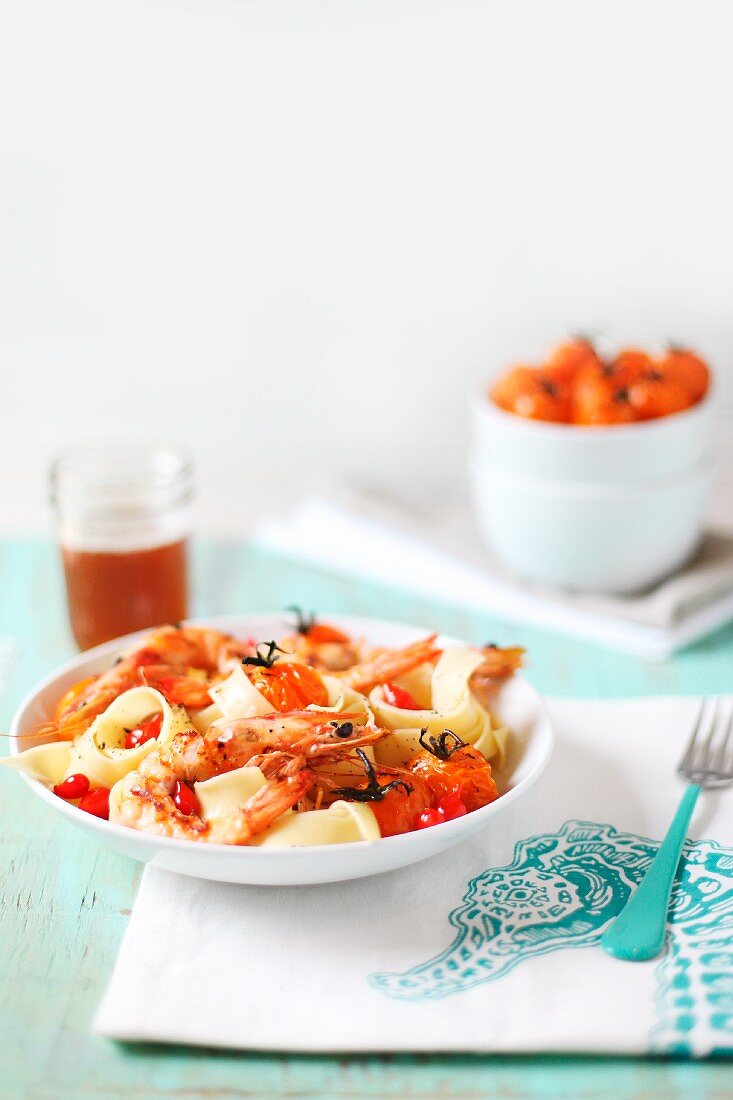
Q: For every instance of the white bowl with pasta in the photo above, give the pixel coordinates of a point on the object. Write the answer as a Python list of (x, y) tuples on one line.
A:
[(517, 705)]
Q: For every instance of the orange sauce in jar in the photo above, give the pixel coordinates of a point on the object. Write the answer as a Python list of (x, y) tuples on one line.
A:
[(111, 593), (124, 514)]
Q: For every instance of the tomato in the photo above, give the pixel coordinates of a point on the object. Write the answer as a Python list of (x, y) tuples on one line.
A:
[(688, 370), (146, 731), (450, 807), (600, 397), (576, 386), (321, 632), (397, 696), (466, 773), (96, 802), (429, 818), (185, 799), (72, 697), (655, 394), (629, 364), (74, 786), (434, 790), (532, 394), (288, 685), (315, 632), (567, 359), (398, 810), (514, 381)]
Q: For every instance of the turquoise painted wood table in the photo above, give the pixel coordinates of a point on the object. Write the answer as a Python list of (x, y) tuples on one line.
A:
[(65, 901)]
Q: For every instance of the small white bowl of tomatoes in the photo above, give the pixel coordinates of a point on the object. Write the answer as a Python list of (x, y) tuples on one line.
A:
[(591, 472)]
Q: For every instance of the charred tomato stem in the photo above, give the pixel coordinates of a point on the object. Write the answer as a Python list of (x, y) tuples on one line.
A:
[(374, 790)]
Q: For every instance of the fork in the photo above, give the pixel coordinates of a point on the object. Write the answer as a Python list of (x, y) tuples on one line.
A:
[(638, 932)]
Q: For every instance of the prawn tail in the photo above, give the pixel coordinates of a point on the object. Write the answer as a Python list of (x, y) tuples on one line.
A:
[(266, 806), (387, 666)]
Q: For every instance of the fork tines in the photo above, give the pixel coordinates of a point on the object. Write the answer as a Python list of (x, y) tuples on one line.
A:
[(707, 760)]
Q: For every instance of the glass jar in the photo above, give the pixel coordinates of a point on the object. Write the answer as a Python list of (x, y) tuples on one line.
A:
[(124, 514)]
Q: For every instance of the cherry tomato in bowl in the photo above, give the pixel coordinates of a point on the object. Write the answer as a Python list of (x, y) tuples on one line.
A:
[(576, 385)]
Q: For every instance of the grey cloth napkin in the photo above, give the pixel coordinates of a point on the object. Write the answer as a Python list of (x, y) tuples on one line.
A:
[(441, 555)]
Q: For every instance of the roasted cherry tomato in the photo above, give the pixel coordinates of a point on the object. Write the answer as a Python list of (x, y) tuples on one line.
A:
[(429, 818), (601, 396), (509, 385), (398, 696), (288, 685), (688, 370), (74, 786), (532, 394), (568, 358), (576, 386), (146, 731), (96, 802), (320, 633), (185, 799), (465, 772), (71, 698), (398, 810), (629, 364), (315, 632), (655, 394), (450, 806)]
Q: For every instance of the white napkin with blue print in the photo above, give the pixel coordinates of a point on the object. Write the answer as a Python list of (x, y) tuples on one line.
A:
[(492, 946)]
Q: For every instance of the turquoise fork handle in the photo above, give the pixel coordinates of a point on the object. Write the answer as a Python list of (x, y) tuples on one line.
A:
[(638, 931)]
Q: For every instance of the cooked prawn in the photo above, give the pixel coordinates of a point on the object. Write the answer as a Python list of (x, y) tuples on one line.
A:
[(284, 743), (86, 703), (166, 654), (195, 757), (184, 647), (497, 666), (387, 664), (186, 690), (146, 803), (300, 733)]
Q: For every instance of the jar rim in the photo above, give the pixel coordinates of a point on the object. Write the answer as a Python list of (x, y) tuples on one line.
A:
[(120, 474)]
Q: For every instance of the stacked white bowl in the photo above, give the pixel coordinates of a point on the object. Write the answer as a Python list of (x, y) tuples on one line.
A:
[(602, 509)]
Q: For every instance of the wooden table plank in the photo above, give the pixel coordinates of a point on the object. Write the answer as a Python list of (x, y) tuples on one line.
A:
[(65, 900)]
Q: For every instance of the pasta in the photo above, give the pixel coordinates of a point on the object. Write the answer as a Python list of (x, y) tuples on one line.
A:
[(221, 794), (100, 753), (321, 739), (47, 763), (341, 823), (453, 706)]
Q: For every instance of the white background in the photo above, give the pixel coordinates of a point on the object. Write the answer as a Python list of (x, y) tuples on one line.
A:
[(294, 235)]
